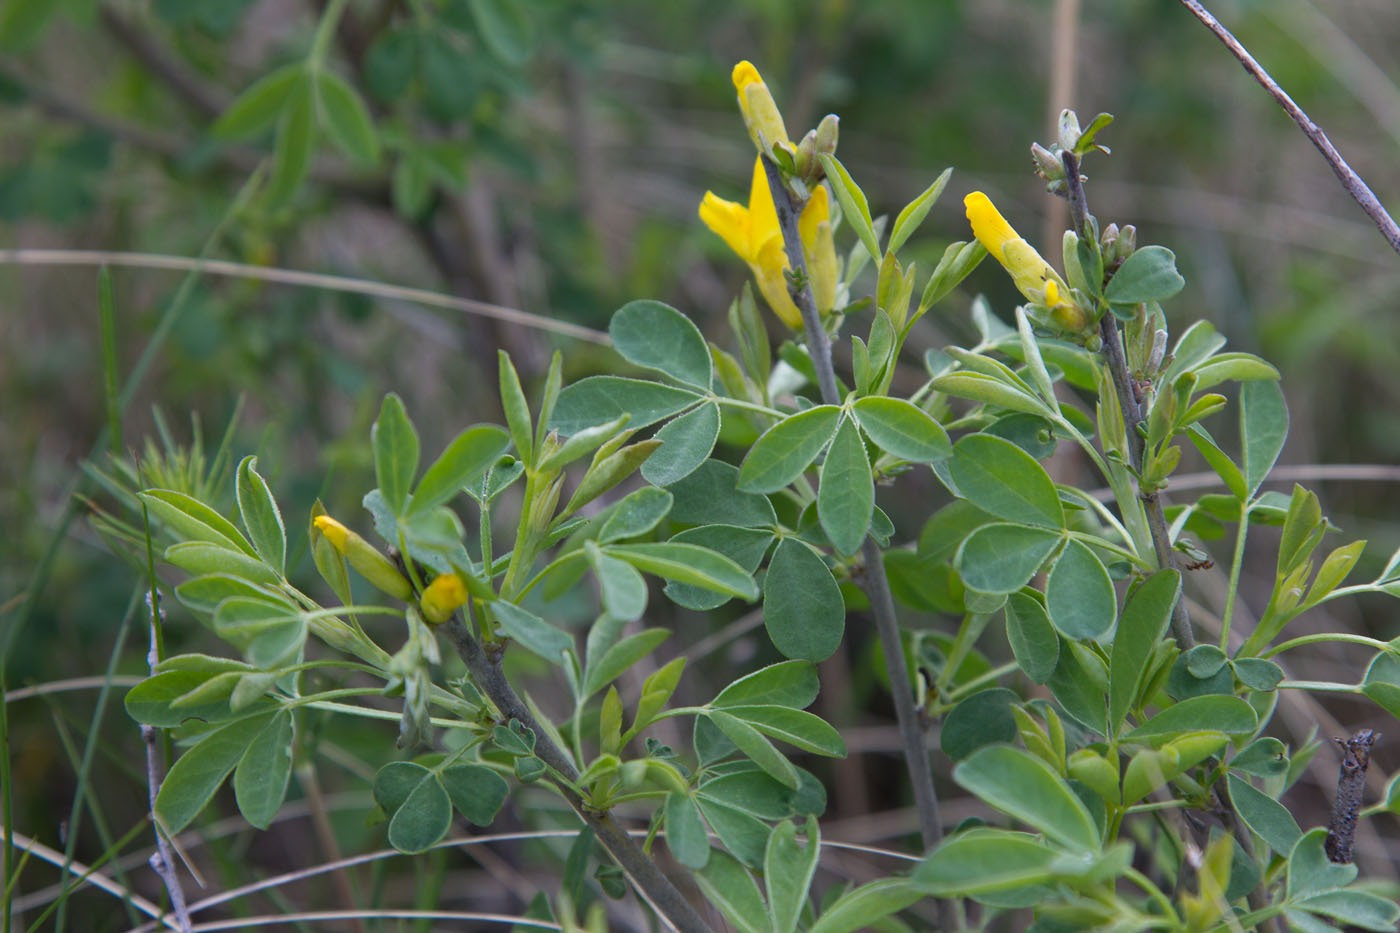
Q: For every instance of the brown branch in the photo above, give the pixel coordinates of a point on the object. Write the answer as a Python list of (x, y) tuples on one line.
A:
[(184, 83), (1351, 181), (877, 587), (653, 885)]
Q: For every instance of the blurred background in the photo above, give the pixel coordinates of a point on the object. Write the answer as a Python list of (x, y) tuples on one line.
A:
[(550, 157)]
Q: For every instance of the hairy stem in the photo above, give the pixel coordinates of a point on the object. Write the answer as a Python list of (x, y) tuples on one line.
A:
[(1117, 362), (654, 886), (877, 587)]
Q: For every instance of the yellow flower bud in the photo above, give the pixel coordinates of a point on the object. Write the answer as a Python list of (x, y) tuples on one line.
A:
[(1031, 273), (444, 596), (365, 558), (761, 114)]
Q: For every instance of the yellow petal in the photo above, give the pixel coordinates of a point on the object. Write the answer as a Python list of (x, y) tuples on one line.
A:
[(442, 597), (730, 221), (822, 267), (817, 210), (334, 531), (990, 228), (745, 74), (763, 216), (773, 284)]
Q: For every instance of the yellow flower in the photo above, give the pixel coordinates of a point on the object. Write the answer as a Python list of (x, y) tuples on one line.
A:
[(1034, 277), (761, 114), (364, 557), (753, 233), (443, 597)]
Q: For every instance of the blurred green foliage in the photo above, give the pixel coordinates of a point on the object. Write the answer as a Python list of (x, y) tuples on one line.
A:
[(550, 157)]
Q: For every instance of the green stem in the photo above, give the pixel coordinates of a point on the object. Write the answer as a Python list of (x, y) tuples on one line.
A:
[(1302, 640), (325, 31), (1236, 564), (877, 586), (747, 406), (1319, 686)]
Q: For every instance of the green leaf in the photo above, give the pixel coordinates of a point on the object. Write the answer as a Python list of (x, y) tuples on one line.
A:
[(532, 632), (846, 494), (1237, 367), (802, 605), (752, 743), (152, 701), (261, 516), (1035, 365), (1149, 274), (685, 831), (982, 719), (855, 209), (1024, 787), (516, 407), (916, 210), (729, 886), (1264, 428), (797, 727), (740, 832), (980, 387), (505, 28), (744, 546), (686, 442), (786, 449), (1079, 594), (710, 496), (636, 514), (203, 594), (985, 861), (1079, 685), (792, 684), (1033, 639), (1002, 479), (1265, 757), (619, 657), (395, 444), (864, 906), (1265, 815), (260, 104), (296, 138), (1334, 569), (1145, 617), (1355, 909), (199, 558), (449, 77), (957, 262), (902, 429), (1213, 712), (656, 336), (192, 780), (622, 587), (476, 791), (420, 807), (1224, 467), (686, 563), (347, 118), (391, 63), (1310, 871), (788, 871), (260, 780), (1258, 674), (465, 460), (192, 520), (601, 399), (1000, 558)]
